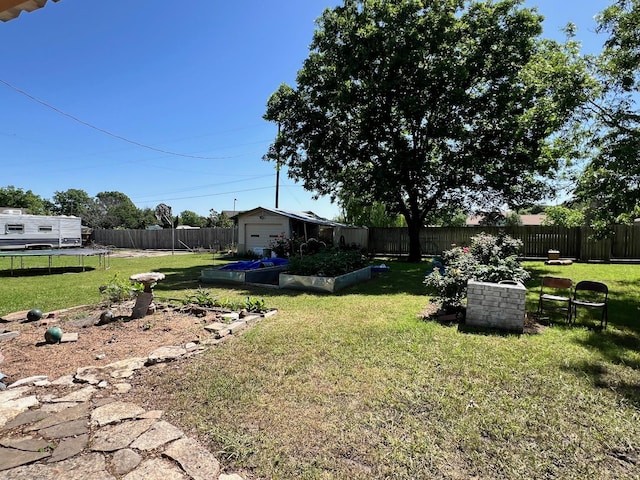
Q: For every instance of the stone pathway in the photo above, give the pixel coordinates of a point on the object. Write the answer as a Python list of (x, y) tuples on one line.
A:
[(81, 427)]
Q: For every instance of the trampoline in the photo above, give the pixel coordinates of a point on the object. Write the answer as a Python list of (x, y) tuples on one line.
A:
[(80, 253)]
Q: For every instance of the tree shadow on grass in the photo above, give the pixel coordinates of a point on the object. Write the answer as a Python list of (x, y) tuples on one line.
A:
[(604, 377)]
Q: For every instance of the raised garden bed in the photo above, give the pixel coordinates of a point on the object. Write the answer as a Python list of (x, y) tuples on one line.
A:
[(324, 284), (264, 272)]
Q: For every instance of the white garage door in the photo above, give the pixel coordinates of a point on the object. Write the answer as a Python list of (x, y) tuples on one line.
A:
[(258, 235)]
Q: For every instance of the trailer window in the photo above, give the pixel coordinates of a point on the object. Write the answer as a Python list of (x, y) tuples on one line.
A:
[(45, 228), (15, 228)]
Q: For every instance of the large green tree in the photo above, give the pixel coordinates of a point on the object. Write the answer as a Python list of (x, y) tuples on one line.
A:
[(73, 202), (610, 183), (425, 105), (11, 196), (116, 210)]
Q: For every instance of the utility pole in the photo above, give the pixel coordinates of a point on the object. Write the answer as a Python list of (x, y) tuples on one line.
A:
[(278, 169)]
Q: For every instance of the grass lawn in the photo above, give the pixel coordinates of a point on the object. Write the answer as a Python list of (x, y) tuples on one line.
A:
[(354, 385)]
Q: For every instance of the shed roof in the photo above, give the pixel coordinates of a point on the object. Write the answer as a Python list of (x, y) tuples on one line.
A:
[(308, 217), (10, 9)]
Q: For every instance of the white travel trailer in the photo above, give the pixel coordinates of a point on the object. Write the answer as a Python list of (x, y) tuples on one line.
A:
[(20, 231)]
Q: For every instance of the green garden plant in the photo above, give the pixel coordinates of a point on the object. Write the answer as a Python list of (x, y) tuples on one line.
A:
[(489, 258)]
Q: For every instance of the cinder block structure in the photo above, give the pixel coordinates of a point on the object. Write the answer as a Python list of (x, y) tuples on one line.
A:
[(496, 305)]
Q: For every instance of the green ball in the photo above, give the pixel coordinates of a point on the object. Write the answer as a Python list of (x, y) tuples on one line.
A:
[(53, 335), (34, 314)]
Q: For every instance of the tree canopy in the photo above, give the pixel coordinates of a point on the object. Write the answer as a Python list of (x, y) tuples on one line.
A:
[(610, 184), (428, 105)]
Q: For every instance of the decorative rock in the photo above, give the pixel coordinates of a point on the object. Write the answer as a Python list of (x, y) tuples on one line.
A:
[(103, 384), (57, 407), (64, 380), (236, 327), (126, 368), (122, 387), (190, 346), (117, 437), (233, 476), (69, 337), (83, 467), (77, 412), (155, 469), (69, 447), (7, 395), (12, 408), (218, 329), (115, 412), (10, 458), (27, 381), (194, 459), (165, 354), (30, 416), (7, 335), (90, 375), (230, 317), (28, 444), (68, 429), (82, 395), (124, 461), (157, 414), (162, 432), (42, 383)]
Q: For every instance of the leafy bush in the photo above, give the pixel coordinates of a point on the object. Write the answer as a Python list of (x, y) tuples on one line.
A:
[(119, 289), (327, 263), (489, 258)]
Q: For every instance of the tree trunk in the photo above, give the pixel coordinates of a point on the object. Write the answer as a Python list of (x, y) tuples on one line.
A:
[(415, 251)]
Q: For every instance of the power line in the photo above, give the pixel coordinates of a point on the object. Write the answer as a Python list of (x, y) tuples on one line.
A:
[(107, 132)]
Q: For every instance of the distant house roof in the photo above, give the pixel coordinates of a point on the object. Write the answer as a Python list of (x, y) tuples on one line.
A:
[(525, 219), (308, 216), (10, 9)]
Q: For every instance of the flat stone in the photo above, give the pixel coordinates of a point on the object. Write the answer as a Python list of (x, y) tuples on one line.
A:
[(165, 354), (194, 459), (233, 476), (27, 381), (81, 467), (157, 414), (218, 329), (69, 447), (162, 432), (69, 337), (126, 368), (155, 469), (117, 437), (230, 317), (77, 412), (122, 387), (42, 383), (115, 412), (125, 460), (82, 395), (90, 375), (28, 444), (58, 407), (30, 416), (8, 335), (12, 408), (237, 327), (6, 395), (67, 429), (99, 402), (10, 457), (65, 380)]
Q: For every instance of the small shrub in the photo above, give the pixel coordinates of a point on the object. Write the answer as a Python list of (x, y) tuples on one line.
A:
[(119, 290), (489, 258), (203, 298)]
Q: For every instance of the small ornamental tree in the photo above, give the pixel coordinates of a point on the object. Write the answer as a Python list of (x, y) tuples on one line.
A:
[(489, 258)]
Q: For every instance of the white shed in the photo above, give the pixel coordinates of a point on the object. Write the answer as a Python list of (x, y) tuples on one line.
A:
[(259, 226)]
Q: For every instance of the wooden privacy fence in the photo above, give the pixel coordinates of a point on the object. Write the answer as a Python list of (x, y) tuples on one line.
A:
[(167, 239), (537, 241)]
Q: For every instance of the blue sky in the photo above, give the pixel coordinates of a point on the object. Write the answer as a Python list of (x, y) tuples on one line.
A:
[(187, 79)]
